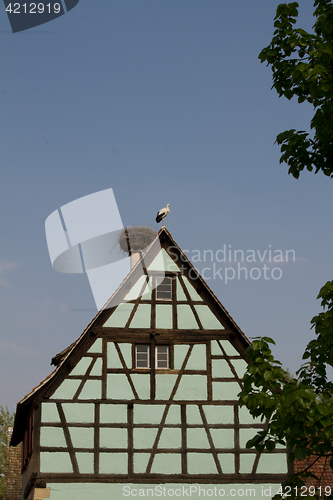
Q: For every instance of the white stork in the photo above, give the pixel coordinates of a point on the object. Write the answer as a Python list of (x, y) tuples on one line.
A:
[(163, 213)]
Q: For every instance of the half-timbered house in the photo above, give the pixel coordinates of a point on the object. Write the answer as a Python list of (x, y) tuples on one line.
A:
[(145, 402)]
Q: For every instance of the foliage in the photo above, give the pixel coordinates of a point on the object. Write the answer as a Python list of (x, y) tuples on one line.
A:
[(299, 409), (302, 65), (6, 420)]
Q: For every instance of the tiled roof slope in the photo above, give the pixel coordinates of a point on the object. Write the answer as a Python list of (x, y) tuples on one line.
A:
[(320, 467), (13, 477)]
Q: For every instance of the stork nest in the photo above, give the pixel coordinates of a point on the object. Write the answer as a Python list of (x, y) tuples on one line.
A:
[(136, 238)]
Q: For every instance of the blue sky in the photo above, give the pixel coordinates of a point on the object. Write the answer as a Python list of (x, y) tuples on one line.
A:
[(164, 101)]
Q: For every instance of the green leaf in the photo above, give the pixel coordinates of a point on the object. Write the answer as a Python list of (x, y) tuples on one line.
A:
[(270, 445), (307, 394), (260, 448), (328, 432), (269, 340), (324, 410), (291, 397), (268, 376), (300, 453)]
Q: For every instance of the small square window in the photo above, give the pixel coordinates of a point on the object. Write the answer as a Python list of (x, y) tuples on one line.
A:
[(142, 356), (164, 288), (162, 356)]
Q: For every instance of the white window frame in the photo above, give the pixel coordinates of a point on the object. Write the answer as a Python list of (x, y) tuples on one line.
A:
[(147, 351), (168, 357), (136, 356), (159, 281)]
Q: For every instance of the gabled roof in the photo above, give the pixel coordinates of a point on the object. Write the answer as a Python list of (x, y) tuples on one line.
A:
[(68, 358)]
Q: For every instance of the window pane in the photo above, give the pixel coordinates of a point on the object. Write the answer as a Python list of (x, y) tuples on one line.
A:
[(164, 288), (142, 356), (162, 356)]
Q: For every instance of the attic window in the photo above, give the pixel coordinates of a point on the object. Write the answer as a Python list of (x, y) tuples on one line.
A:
[(164, 288), (142, 356), (162, 357)]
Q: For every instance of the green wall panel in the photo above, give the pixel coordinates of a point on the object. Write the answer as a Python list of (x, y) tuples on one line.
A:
[(216, 350), (96, 347), (197, 360), (229, 348), (67, 389), (192, 387), (52, 436), (97, 368), (245, 416), (50, 412), (144, 438), (120, 316), (166, 464), (219, 414), (163, 262), (140, 462), (148, 414), (173, 416), (220, 368), (81, 367), (192, 415), (113, 438), (208, 320), (126, 351), (118, 387), (227, 461), (56, 462), (85, 462), (246, 463), (201, 463), (269, 463), (164, 385), (245, 435), (240, 366), (163, 316), (110, 413), (113, 360), (186, 318), (133, 294), (82, 437), (79, 412), (226, 391), (197, 438), (223, 438), (92, 389), (113, 463), (141, 318), (180, 292), (170, 438), (141, 383), (191, 290), (180, 352)]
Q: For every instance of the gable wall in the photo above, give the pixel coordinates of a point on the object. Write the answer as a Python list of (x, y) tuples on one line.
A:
[(109, 421)]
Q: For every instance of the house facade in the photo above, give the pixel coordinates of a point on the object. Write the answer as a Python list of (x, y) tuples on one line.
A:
[(145, 402)]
